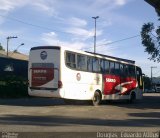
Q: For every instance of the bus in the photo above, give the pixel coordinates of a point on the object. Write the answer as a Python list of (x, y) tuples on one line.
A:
[(60, 72)]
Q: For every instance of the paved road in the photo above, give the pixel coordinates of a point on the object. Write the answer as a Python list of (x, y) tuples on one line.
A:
[(52, 115)]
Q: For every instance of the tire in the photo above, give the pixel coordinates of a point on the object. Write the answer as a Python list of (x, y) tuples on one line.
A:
[(96, 99), (132, 98), (68, 101)]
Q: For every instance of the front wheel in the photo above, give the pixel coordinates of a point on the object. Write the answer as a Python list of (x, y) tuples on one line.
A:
[(96, 99)]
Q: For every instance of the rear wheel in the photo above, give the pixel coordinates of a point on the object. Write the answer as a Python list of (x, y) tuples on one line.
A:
[(132, 97), (96, 99), (68, 101)]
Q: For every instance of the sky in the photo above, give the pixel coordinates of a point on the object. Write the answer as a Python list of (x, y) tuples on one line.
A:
[(69, 23)]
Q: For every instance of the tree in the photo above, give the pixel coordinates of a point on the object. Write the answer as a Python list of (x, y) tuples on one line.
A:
[(1, 47), (150, 35), (147, 82)]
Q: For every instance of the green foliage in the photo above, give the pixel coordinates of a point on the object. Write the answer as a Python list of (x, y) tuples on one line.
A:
[(13, 87), (147, 82), (151, 40), (1, 47)]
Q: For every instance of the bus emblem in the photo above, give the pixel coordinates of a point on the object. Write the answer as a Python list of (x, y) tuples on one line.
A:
[(43, 55), (78, 76)]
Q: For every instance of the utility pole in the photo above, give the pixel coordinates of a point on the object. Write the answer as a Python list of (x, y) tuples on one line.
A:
[(95, 18), (152, 75), (8, 38)]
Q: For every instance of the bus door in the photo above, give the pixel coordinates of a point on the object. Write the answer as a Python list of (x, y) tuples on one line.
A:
[(128, 79), (111, 78), (139, 81), (126, 82)]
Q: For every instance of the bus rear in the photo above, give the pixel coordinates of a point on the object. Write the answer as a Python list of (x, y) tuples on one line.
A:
[(43, 71)]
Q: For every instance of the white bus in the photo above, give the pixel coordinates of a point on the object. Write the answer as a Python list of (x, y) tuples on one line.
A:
[(56, 71)]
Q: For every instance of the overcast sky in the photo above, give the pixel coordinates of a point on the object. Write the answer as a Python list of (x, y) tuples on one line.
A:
[(69, 23)]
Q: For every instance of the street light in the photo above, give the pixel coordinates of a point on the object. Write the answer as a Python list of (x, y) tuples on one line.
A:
[(8, 38), (18, 47), (95, 18)]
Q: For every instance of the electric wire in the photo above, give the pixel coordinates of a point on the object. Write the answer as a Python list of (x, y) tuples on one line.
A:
[(42, 27), (34, 25), (124, 39)]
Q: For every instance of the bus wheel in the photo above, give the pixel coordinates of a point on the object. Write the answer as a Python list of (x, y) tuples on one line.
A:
[(132, 98), (68, 101), (96, 99)]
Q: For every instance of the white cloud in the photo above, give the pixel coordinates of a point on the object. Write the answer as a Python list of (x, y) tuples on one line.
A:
[(9, 5), (77, 22), (82, 34), (108, 4), (120, 2), (41, 5), (51, 38), (45, 6), (104, 23)]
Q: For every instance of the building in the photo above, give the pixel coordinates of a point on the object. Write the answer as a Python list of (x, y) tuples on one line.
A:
[(14, 55)]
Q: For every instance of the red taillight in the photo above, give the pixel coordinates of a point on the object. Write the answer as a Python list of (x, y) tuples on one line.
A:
[(60, 84)]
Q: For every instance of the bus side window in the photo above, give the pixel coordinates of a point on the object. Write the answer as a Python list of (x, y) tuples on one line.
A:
[(96, 65), (106, 67), (131, 70), (71, 60), (121, 70), (81, 62), (102, 66), (126, 70), (117, 69), (89, 64), (112, 68)]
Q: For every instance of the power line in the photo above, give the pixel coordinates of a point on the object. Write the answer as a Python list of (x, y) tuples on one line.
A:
[(115, 41), (119, 40), (46, 28), (34, 25)]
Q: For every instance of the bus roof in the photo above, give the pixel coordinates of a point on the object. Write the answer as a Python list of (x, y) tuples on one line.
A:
[(116, 58)]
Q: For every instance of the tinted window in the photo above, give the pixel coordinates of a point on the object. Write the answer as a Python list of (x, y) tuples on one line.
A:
[(81, 62), (112, 67), (89, 63), (121, 70), (106, 67), (102, 65), (96, 65), (71, 60), (125, 70), (131, 71), (117, 69)]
